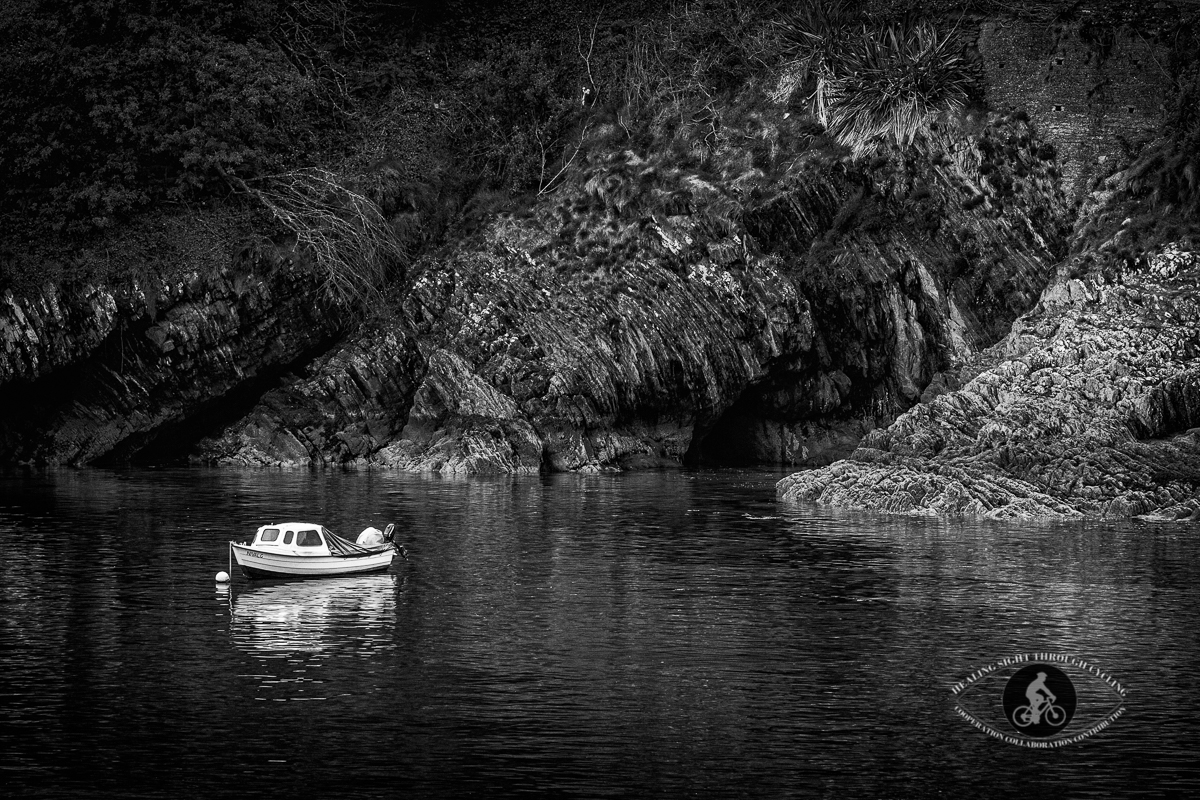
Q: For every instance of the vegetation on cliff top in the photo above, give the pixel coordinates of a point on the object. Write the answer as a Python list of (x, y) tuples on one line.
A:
[(117, 115), (112, 113)]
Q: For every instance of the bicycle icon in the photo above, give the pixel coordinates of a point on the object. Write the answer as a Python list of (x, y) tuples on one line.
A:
[(1051, 714)]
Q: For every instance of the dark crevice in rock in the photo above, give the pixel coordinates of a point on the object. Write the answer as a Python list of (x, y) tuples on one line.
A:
[(1169, 409), (738, 438), (30, 409), (97, 375), (176, 442), (792, 418)]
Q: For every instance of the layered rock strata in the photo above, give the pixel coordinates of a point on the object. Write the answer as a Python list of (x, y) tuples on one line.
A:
[(648, 315), (91, 373), (1091, 411), (514, 375)]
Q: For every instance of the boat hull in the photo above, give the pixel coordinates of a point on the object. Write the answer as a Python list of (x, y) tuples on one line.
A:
[(259, 564)]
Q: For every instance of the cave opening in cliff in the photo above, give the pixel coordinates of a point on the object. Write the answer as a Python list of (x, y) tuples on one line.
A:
[(741, 437), (789, 420)]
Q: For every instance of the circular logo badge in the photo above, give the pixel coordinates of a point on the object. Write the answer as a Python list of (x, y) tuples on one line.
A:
[(1039, 700)]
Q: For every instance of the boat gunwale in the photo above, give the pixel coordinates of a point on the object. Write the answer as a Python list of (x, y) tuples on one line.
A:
[(254, 572), (245, 548), (260, 562)]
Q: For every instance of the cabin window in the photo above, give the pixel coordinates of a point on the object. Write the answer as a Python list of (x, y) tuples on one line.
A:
[(269, 535), (308, 539), (287, 538)]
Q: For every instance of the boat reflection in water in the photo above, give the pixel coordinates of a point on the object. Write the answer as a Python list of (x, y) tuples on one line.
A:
[(346, 616)]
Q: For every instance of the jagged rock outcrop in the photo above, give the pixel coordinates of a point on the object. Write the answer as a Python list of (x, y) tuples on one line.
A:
[(1092, 410), (944, 249), (523, 369), (89, 373), (358, 403), (727, 288), (653, 313)]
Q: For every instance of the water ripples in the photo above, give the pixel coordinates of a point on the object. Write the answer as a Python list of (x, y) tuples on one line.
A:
[(671, 634)]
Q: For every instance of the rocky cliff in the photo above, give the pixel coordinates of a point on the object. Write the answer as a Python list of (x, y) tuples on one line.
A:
[(108, 373), (769, 303), (1088, 408), (729, 287), (656, 311)]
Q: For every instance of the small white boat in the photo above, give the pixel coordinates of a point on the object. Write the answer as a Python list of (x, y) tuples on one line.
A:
[(306, 550)]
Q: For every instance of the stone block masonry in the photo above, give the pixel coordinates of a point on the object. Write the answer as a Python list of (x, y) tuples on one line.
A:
[(1091, 96)]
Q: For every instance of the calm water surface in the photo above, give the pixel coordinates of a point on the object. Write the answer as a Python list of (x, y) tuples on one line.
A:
[(672, 634)]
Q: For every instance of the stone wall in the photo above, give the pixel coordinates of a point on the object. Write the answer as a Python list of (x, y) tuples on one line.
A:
[(1087, 91)]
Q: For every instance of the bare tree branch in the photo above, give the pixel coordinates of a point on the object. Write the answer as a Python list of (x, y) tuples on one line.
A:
[(344, 233)]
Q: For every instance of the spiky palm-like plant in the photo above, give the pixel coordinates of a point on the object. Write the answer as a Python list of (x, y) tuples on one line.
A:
[(817, 35), (890, 84)]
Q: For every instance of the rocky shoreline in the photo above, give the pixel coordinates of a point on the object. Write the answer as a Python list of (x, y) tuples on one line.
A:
[(933, 328), (1091, 411)]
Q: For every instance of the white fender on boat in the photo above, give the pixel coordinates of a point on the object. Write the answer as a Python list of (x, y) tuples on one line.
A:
[(370, 536)]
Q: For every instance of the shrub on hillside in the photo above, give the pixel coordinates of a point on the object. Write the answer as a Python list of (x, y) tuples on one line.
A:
[(870, 84), (106, 108), (817, 35), (893, 83), (512, 109), (338, 229)]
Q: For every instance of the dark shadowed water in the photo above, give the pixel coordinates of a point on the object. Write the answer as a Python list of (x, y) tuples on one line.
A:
[(666, 635)]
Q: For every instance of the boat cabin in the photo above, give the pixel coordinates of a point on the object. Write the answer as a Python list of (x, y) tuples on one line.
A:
[(293, 538)]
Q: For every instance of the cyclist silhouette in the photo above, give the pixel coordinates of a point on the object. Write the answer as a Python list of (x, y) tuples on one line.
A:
[(1045, 712), (1039, 696)]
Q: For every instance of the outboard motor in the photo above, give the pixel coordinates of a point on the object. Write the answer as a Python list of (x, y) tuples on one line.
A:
[(389, 535)]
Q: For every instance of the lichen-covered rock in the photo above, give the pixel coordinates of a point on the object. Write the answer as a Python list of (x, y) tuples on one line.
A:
[(41, 333), (1091, 411)]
